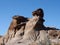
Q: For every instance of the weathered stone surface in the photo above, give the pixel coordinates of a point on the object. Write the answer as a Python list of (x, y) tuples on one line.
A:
[(30, 31)]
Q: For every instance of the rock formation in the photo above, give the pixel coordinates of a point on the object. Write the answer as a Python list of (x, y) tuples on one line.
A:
[(25, 31)]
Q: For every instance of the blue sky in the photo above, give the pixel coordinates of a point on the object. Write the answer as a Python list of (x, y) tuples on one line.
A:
[(9, 8)]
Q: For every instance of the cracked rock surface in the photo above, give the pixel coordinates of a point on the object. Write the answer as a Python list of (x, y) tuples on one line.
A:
[(30, 31)]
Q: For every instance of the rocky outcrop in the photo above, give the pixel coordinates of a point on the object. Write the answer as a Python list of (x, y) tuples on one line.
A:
[(25, 31)]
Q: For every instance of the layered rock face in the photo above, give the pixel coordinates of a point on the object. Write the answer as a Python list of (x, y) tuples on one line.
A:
[(30, 31)]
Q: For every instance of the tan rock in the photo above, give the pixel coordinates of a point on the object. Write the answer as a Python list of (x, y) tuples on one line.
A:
[(30, 31)]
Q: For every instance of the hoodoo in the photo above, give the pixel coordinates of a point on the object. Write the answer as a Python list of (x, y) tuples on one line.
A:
[(30, 31)]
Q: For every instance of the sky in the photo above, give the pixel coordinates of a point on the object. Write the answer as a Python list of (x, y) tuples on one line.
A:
[(9, 8)]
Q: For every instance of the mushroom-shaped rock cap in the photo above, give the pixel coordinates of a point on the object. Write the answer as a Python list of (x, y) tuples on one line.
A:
[(20, 18), (38, 12)]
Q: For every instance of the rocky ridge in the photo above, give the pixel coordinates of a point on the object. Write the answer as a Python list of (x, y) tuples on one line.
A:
[(30, 31)]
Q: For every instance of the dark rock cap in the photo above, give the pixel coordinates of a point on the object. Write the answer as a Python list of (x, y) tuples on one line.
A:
[(38, 12), (20, 18)]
